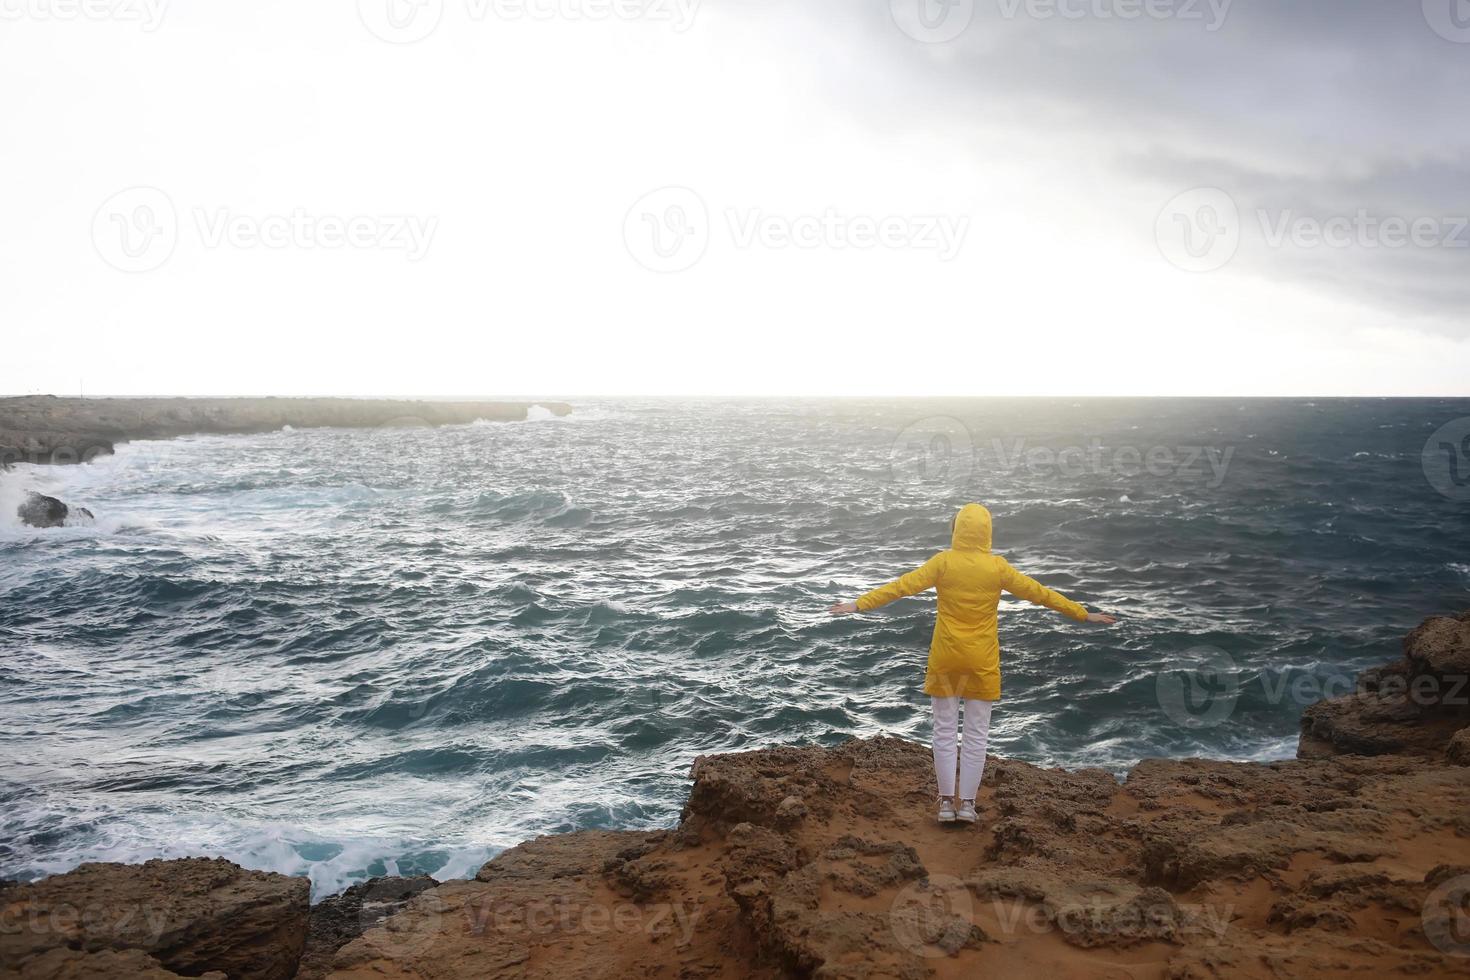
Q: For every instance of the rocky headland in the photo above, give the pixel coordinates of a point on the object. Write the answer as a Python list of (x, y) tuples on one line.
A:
[(45, 429), (1352, 860)]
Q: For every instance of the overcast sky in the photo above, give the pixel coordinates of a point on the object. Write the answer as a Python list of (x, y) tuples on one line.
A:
[(482, 197)]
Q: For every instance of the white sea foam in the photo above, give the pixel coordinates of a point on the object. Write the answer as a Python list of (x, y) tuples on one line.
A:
[(578, 414), (96, 486), (11, 495), (331, 864), (25, 477), (540, 413)]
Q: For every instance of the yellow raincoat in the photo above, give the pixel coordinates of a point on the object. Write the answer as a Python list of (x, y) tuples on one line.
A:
[(964, 656)]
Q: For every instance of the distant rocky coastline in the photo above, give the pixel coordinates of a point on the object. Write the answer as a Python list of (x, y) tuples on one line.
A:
[(51, 431), (1353, 860), (47, 430)]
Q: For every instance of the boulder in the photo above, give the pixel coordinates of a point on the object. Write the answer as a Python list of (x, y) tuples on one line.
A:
[(39, 510), (191, 916), (1367, 723), (1440, 647), (1413, 706)]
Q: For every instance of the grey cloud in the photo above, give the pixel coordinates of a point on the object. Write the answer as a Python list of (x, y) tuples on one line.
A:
[(1316, 109)]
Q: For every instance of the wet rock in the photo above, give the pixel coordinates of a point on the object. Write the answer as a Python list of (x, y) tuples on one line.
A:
[(338, 920), (192, 916), (39, 510)]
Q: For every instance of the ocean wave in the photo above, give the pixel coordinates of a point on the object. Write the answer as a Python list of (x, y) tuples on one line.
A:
[(332, 860)]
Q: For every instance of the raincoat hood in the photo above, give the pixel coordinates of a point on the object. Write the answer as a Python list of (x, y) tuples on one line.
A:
[(971, 529)]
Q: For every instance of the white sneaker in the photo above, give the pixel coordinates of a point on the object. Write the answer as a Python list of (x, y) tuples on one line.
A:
[(966, 812), (946, 810)]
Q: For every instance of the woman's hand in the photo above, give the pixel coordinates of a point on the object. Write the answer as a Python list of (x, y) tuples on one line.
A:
[(842, 609), (1102, 618)]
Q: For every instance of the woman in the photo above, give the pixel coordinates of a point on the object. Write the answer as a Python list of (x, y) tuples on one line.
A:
[(964, 656)]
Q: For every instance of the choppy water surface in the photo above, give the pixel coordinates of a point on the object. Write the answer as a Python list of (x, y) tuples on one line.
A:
[(349, 652)]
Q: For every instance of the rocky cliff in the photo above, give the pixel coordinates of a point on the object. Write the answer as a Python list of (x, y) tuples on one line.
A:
[(1418, 705), (826, 862), (49, 430)]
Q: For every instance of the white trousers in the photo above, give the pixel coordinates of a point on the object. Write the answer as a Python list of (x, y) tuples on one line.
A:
[(971, 753)]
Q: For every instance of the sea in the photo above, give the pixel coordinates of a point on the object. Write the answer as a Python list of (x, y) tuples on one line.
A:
[(341, 653)]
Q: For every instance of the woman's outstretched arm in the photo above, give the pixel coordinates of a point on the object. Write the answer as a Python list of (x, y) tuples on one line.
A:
[(1024, 587), (912, 583)]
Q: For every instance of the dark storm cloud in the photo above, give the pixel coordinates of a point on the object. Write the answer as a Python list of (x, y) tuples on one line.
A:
[(1343, 113)]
